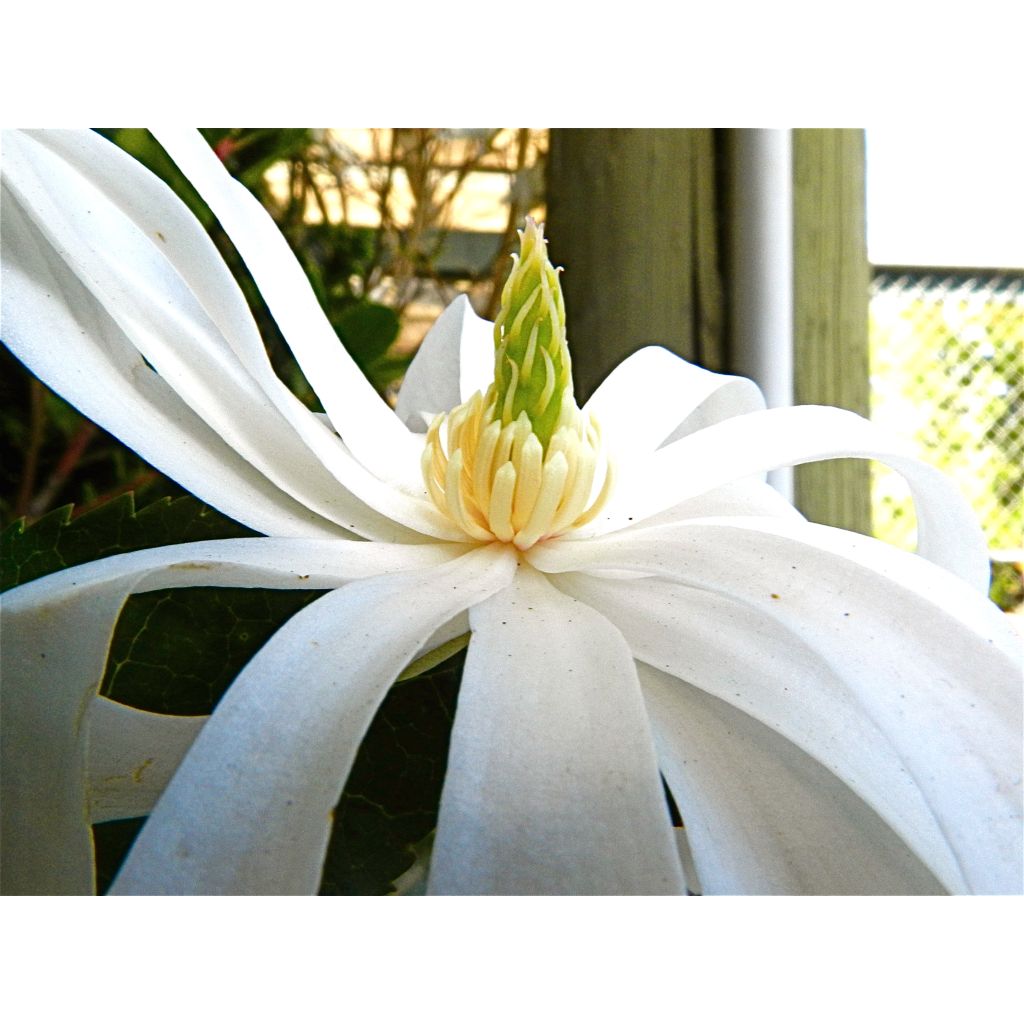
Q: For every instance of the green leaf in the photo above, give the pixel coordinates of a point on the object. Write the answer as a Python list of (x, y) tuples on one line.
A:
[(113, 840), (175, 652), (58, 541), (393, 793), (367, 330)]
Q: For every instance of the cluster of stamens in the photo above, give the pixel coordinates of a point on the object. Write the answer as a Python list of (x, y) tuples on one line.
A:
[(497, 482), (520, 463)]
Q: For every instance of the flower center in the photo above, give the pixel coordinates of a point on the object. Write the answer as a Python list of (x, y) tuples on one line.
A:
[(499, 482), (520, 463)]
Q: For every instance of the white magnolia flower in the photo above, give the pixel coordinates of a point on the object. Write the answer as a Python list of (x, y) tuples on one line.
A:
[(831, 715)]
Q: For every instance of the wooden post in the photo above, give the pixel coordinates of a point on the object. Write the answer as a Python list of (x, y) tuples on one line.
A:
[(631, 217), (830, 311)]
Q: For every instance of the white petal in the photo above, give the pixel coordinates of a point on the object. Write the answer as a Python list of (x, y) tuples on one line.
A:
[(751, 497), (56, 634), (653, 397), (126, 269), (249, 810), (372, 432), (157, 212), (930, 662), (47, 683), (763, 818), (98, 370), (107, 225), (948, 533), (552, 784), (455, 359), (744, 657), (132, 755)]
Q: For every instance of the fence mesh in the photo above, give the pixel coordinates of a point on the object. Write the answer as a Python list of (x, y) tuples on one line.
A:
[(947, 369)]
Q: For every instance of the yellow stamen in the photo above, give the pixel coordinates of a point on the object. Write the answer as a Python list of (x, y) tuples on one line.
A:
[(499, 483), (500, 510)]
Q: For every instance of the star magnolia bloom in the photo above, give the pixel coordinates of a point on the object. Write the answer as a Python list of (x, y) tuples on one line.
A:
[(831, 715)]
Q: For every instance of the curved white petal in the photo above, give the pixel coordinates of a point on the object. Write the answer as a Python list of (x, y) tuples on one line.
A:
[(747, 659), (249, 810), (126, 269), (750, 497), (653, 397), (948, 533), (552, 784), (763, 818), (61, 332), (56, 634), (132, 755), (930, 662), (455, 360), (47, 683), (370, 429), (106, 225)]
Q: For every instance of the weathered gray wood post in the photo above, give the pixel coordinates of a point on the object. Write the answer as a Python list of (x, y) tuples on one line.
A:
[(830, 311), (631, 217)]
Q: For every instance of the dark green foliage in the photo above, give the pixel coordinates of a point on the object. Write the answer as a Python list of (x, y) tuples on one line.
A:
[(392, 795), (368, 331), (58, 542), (113, 840), (175, 652), (390, 801)]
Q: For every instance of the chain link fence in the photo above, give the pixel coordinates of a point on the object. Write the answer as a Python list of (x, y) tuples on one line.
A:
[(947, 369)]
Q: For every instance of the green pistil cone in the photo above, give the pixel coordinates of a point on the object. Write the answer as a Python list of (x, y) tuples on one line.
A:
[(532, 369)]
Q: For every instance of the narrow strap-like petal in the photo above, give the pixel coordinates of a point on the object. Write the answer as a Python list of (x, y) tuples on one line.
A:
[(747, 659), (930, 661), (132, 755), (750, 497), (763, 818), (377, 438), (47, 681), (249, 810), (127, 271), (117, 234), (59, 330), (56, 635), (948, 533), (455, 359), (653, 397), (552, 784)]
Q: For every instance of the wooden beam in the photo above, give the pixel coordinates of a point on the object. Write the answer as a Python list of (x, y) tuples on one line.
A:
[(632, 218), (830, 313)]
